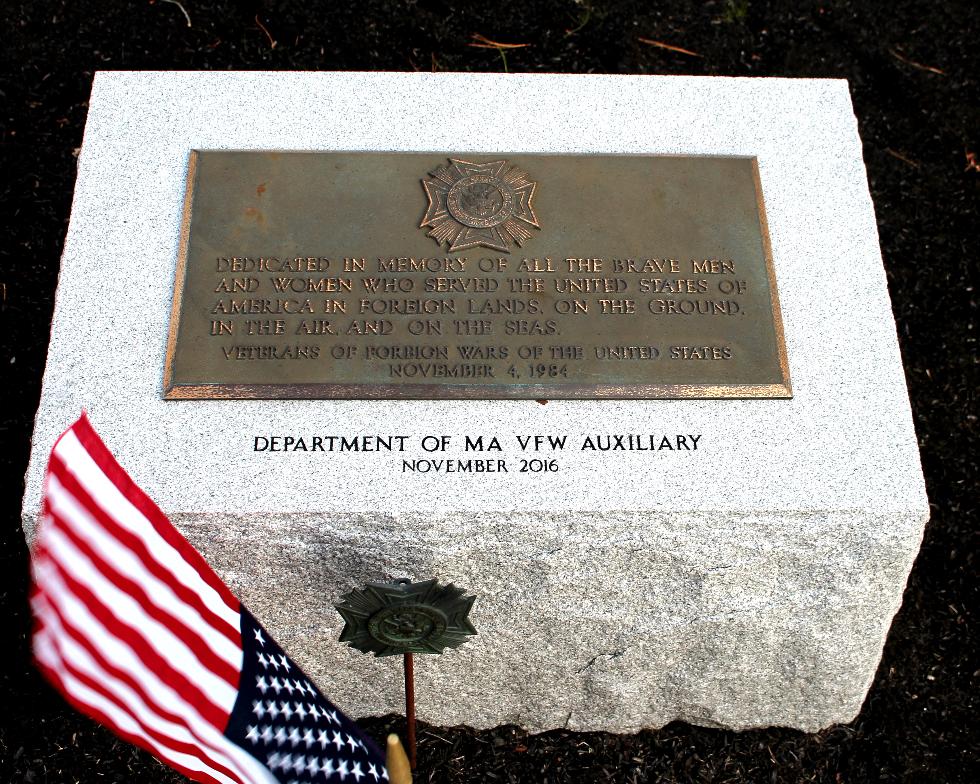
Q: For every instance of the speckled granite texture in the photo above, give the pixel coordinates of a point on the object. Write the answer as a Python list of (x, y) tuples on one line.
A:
[(749, 583)]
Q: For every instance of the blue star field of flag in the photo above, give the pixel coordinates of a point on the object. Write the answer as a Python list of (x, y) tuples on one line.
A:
[(282, 719)]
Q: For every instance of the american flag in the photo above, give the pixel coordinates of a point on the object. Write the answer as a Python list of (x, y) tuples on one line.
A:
[(137, 631)]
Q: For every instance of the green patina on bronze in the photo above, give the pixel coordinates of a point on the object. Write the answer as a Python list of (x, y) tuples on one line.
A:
[(389, 619), (474, 275)]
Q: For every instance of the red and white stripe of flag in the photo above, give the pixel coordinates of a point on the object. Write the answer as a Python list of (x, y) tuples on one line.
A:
[(131, 624)]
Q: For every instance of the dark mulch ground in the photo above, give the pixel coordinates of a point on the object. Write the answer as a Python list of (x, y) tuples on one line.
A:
[(913, 70)]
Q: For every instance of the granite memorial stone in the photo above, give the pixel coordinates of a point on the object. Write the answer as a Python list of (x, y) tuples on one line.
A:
[(728, 562)]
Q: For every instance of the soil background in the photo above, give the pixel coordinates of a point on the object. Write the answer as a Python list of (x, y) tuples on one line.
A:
[(913, 70)]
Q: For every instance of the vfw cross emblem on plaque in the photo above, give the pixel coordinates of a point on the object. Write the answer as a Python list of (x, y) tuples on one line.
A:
[(479, 205)]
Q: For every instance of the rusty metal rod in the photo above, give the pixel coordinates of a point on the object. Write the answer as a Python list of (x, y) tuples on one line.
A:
[(410, 706)]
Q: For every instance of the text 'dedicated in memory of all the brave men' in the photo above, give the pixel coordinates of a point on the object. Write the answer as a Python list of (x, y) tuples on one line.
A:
[(465, 275)]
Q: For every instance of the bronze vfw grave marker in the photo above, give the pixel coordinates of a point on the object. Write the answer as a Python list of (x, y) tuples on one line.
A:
[(397, 275)]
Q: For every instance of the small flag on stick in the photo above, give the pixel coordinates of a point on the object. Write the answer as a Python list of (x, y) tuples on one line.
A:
[(137, 631)]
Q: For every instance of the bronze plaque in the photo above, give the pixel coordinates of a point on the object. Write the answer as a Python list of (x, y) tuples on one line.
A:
[(458, 275)]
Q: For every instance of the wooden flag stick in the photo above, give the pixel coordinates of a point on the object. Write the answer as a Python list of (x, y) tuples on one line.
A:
[(410, 706), (399, 771)]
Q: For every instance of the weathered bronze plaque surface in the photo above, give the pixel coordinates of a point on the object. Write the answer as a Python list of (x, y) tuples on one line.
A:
[(456, 275)]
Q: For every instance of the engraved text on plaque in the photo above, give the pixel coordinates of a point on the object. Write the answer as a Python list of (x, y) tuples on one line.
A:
[(456, 275)]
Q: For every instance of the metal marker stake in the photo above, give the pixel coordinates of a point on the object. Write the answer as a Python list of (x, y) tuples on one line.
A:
[(403, 617), (410, 707)]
